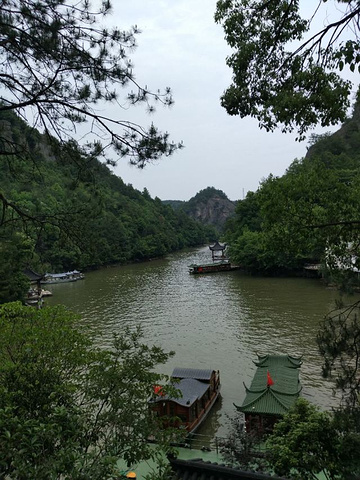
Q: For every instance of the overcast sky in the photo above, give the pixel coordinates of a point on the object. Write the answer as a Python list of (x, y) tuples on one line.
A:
[(181, 46)]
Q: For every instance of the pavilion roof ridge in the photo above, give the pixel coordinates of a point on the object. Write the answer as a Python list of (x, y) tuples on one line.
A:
[(278, 400), (275, 385), (246, 405), (287, 394), (295, 362)]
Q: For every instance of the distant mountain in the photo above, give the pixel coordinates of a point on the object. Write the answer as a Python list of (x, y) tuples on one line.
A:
[(209, 207)]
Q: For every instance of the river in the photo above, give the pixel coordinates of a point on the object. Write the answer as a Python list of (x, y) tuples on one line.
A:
[(220, 321)]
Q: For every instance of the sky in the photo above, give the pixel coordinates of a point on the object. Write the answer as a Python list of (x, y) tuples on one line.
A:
[(181, 47)]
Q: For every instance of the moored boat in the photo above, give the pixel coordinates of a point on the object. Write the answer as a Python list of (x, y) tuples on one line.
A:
[(223, 266), (274, 389), (199, 389), (72, 276)]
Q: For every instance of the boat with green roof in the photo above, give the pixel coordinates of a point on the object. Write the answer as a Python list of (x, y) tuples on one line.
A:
[(274, 389)]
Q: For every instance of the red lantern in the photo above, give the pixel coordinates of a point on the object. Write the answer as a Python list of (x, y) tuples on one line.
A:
[(158, 390)]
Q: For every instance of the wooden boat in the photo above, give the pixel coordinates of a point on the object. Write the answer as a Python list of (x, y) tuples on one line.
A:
[(223, 266), (72, 276), (199, 390)]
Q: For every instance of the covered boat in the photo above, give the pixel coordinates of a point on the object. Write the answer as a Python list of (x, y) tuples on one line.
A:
[(198, 392), (72, 276), (222, 266), (273, 391)]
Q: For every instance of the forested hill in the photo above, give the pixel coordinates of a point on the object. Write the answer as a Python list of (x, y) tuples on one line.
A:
[(209, 206), (309, 215), (64, 210), (344, 142)]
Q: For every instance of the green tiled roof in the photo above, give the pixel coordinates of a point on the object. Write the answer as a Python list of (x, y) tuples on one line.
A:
[(275, 399)]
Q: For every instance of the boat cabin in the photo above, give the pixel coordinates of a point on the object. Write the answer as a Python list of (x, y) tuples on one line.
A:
[(198, 391), (72, 276), (273, 390), (223, 266)]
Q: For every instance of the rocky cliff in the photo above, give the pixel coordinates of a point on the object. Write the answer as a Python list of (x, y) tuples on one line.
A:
[(215, 211), (210, 207)]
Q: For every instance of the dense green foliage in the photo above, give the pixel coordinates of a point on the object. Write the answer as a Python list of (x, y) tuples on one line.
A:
[(307, 441), (175, 204), (74, 414), (284, 73), (61, 70), (304, 444), (79, 215), (15, 252), (309, 215), (339, 345)]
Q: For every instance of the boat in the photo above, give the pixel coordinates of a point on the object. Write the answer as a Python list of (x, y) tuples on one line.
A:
[(72, 276), (274, 389), (222, 266), (198, 391)]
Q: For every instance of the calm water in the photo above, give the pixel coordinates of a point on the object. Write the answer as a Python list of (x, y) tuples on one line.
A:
[(218, 321)]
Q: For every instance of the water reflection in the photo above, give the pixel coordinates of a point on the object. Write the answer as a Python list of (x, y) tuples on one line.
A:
[(210, 428)]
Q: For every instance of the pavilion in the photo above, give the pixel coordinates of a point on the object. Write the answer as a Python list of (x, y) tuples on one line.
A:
[(274, 390), (218, 251)]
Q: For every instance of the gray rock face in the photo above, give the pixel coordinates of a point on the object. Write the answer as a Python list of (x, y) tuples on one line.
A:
[(215, 211)]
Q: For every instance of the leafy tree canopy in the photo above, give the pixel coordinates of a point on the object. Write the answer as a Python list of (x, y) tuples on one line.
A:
[(69, 409), (307, 442), (15, 251), (60, 70), (240, 448), (283, 74)]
